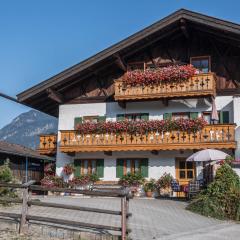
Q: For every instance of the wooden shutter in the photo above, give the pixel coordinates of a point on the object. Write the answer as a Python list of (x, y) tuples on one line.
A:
[(167, 116), (120, 117), (102, 118), (100, 168), (144, 167), (145, 116), (119, 168), (77, 165), (193, 115), (77, 120), (224, 117)]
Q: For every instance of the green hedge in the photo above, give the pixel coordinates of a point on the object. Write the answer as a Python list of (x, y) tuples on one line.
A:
[(221, 199)]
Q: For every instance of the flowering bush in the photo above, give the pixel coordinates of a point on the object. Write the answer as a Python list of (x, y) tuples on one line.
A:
[(159, 75), (53, 181), (164, 181), (132, 180), (49, 169), (83, 180), (68, 169), (142, 127)]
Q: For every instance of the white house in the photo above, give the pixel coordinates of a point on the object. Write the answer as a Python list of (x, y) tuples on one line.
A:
[(94, 91)]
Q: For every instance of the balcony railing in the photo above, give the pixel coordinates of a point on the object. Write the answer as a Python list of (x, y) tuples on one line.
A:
[(211, 136), (198, 85), (48, 144)]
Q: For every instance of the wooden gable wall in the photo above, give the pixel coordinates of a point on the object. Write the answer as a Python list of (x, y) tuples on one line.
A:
[(225, 59)]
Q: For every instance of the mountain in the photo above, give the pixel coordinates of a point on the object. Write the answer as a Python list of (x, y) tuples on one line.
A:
[(26, 128)]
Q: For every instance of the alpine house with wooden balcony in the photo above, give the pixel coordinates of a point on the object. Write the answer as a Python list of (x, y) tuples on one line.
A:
[(148, 102)]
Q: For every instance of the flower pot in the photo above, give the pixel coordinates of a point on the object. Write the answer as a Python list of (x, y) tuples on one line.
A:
[(149, 194), (165, 192), (137, 191)]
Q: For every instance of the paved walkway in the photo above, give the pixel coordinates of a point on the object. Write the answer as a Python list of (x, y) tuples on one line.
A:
[(152, 218)]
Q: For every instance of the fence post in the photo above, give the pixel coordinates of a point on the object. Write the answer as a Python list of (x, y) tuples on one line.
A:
[(124, 217), (23, 228)]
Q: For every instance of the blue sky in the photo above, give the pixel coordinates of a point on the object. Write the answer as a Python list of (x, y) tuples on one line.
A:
[(41, 38)]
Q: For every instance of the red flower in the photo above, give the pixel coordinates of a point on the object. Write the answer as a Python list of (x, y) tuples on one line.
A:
[(174, 74), (68, 169), (142, 127)]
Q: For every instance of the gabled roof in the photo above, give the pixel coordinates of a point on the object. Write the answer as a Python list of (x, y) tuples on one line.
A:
[(19, 150), (225, 26)]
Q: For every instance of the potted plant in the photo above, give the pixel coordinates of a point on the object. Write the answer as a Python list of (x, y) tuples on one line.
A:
[(134, 181), (149, 187), (83, 182), (68, 169), (163, 184)]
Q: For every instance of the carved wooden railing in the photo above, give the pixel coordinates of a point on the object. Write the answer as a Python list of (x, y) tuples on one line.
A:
[(48, 144), (211, 136), (198, 85)]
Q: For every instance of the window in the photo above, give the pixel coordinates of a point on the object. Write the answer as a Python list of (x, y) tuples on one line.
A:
[(89, 166), (207, 117), (185, 170), (132, 165), (133, 117), (92, 119), (222, 115), (203, 64), (182, 115)]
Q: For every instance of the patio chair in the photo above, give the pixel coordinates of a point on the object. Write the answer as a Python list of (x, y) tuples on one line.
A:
[(194, 187), (176, 187)]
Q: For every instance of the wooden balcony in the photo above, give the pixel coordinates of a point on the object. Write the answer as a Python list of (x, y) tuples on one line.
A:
[(199, 85), (212, 136), (48, 144)]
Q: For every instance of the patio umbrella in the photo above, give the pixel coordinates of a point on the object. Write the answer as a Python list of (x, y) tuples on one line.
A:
[(207, 155)]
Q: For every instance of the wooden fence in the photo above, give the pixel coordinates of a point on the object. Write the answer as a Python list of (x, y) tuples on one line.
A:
[(26, 202)]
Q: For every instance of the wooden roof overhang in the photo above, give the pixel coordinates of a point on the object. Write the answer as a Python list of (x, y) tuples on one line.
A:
[(47, 95), (22, 151)]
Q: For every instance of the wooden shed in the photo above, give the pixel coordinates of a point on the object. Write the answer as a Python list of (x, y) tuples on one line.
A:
[(26, 163)]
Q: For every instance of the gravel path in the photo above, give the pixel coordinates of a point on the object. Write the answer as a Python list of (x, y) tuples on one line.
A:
[(152, 218)]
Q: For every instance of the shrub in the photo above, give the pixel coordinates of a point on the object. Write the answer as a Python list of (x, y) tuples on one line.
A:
[(150, 186), (83, 180), (49, 169), (164, 181), (221, 199), (7, 177), (53, 181), (132, 180), (5, 173)]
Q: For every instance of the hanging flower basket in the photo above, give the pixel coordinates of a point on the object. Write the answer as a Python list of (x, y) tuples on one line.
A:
[(170, 74), (68, 169)]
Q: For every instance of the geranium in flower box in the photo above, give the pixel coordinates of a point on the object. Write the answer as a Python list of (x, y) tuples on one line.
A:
[(151, 77)]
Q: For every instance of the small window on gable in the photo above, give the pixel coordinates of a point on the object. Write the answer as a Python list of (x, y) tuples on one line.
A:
[(203, 64)]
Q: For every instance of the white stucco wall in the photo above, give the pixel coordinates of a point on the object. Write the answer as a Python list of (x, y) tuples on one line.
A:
[(158, 164)]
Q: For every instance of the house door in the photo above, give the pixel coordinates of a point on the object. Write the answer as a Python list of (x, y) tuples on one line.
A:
[(185, 171)]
